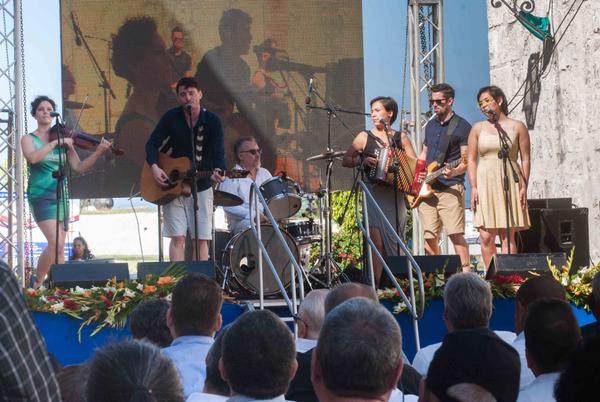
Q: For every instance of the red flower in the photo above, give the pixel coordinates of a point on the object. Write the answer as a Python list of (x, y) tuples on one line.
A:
[(110, 294), (508, 279), (71, 304), (62, 292), (106, 301)]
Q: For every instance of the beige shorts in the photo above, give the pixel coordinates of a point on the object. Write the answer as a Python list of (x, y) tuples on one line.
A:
[(444, 208), (178, 216)]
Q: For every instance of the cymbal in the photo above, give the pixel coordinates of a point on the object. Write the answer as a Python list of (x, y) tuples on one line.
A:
[(68, 104), (327, 155), (225, 199)]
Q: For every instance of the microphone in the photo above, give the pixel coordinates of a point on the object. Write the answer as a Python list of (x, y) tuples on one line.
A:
[(491, 111), (188, 107), (76, 30), (310, 89), (54, 114), (385, 126)]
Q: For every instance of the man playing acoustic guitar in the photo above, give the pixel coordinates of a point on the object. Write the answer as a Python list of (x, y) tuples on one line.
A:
[(445, 142), (172, 136)]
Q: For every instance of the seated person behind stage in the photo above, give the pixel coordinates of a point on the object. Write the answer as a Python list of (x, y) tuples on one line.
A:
[(80, 250), (247, 154)]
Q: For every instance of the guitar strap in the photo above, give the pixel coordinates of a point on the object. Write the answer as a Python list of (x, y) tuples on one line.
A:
[(445, 141)]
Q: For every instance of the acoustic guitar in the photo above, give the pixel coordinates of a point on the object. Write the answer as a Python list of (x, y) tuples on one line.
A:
[(433, 172), (179, 182)]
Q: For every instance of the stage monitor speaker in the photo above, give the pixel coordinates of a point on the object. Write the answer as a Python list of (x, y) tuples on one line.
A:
[(157, 268), (428, 264), (522, 264), (558, 230), (87, 274), (550, 203)]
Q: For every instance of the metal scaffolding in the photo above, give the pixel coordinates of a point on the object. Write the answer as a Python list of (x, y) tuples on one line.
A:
[(12, 233), (426, 44)]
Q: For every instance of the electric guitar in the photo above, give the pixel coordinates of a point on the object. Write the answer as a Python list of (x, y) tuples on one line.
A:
[(433, 172), (179, 182)]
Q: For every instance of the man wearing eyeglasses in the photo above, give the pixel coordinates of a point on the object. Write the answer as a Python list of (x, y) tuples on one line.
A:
[(446, 138), (181, 61), (247, 155)]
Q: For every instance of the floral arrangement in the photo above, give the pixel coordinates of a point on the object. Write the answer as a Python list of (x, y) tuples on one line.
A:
[(109, 305), (578, 285)]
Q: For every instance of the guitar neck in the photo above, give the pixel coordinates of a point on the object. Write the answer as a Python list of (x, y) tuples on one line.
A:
[(431, 177)]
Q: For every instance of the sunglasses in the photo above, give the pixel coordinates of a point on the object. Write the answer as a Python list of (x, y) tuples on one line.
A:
[(253, 151), (437, 101)]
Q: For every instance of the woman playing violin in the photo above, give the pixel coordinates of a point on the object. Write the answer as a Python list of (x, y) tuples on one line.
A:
[(42, 155)]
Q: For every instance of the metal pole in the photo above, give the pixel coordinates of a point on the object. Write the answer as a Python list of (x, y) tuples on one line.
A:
[(19, 119)]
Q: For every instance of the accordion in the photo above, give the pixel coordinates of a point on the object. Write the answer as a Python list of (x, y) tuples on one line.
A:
[(398, 169)]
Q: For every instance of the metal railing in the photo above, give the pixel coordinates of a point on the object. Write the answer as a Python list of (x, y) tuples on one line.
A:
[(412, 264), (256, 200)]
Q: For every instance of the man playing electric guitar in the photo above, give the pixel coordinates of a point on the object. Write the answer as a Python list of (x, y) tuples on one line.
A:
[(172, 136), (445, 142)]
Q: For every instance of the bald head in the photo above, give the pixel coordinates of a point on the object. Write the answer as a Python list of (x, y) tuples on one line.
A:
[(347, 291)]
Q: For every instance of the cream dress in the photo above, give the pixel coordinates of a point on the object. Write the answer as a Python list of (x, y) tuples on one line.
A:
[(491, 211)]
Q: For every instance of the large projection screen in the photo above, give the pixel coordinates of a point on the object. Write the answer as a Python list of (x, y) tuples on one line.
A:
[(253, 59)]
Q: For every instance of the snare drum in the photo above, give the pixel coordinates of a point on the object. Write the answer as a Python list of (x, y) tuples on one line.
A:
[(282, 195), (241, 257), (307, 231)]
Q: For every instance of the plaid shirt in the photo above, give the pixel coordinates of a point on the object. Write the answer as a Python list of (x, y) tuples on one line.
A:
[(26, 372)]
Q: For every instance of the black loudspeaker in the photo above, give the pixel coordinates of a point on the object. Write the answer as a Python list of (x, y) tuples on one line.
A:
[(427, 263), (522, 264), (550, 203), (558, 230), (87, 274), (156, 268)]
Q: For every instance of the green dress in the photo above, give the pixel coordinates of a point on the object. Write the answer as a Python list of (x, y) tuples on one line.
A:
[(41, 188)]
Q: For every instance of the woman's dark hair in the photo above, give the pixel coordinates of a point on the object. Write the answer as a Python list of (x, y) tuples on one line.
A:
[(87, 254), (498, 96), (132, 371), (36, 103), (389, 104)]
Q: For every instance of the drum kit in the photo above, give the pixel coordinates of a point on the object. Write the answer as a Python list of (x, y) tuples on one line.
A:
[(304, 220)]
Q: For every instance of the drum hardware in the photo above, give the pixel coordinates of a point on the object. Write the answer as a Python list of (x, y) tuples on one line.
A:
[(327, 155), (225, 199)]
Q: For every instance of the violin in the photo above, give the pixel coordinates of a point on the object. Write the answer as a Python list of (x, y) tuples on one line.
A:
[(80, 139)]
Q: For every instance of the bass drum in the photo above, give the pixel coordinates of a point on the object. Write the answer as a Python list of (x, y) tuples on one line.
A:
[(241, 257)]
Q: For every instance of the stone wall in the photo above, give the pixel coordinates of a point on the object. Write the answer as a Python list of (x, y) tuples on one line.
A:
[(565, 139)]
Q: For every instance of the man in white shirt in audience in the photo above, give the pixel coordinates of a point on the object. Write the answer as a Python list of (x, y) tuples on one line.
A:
[(247, 154), (536, 288), (551, 336), (193, 319), (467, 305), (309, 319)]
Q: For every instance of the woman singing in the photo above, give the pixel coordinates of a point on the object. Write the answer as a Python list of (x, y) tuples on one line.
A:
[(384, 111), (42, 155), (488, 201)]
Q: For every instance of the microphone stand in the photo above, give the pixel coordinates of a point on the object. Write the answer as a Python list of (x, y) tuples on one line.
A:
[(59, 175), (104, 84), (503, 154), (396, 168), (193, 173)]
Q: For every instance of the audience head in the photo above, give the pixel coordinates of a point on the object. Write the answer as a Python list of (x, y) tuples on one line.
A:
[(594, 300), (359, 352), (132, 371), (258, 356), (195, 306), (149, 321), (581, 375), (214, 383), (536, 288), (311, 314), (347, 291), (467, 302), (473, 357), (551, 335), (71, 380)]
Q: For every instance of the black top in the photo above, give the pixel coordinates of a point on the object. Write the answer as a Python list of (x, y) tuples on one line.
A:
[(434, 132), (172, 135)]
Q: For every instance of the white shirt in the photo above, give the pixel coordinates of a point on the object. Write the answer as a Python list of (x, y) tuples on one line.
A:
[(397, 396), (541, 389), (238, 218), (527, 376), (304, 345), (424, 356), (202, 397)]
